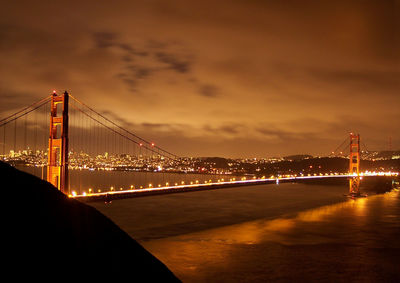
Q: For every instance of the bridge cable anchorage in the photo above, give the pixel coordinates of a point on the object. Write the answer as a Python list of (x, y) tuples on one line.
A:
[(125, 130)]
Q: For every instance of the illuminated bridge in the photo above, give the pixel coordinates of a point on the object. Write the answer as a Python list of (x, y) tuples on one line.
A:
[(196, 186), (62, 140)]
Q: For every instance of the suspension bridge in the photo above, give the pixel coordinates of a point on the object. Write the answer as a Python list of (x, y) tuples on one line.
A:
[(85, 155)]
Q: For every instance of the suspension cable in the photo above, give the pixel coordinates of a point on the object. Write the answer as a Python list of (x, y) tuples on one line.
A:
[(26, 108), (9, 120), (115, 131), (108, 120), (341, 145)]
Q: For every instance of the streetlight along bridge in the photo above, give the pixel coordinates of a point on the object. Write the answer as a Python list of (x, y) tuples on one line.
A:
[(73, 138)]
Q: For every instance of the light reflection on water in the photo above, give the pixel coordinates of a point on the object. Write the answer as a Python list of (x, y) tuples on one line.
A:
[(352, 240)]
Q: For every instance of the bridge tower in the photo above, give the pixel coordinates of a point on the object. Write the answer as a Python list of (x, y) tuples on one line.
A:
[(354, 164), (57, 169)]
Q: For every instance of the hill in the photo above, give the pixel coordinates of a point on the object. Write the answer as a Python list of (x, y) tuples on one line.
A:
[(48, 233)]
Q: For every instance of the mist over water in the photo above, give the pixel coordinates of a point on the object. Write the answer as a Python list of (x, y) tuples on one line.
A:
[(286, 232)]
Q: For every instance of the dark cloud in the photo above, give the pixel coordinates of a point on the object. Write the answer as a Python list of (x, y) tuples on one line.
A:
[(130, 50), (142, 73), (232, 129), (105, 39), (127, 59), (156, 44), (11, 100), (173, 62), (133, 75), (117, 119), (208, 90), (140, 70), (283, 135), (5, 31), (126, 47), (370, 78), (159, 127), (130, 82)]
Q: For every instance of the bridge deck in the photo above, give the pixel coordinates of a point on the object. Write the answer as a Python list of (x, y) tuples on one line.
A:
[(111, 195)]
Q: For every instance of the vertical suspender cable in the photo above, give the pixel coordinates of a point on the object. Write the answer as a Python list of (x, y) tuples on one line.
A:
[(4, 141), (15, 136)]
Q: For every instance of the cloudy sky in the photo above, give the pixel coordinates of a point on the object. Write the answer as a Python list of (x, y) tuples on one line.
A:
[(214, 78)]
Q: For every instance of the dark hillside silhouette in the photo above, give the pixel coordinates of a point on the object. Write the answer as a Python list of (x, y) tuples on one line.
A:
[(48, 233)]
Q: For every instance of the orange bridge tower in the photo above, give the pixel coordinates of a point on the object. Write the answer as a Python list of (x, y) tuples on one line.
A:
[(57, 169), (354, 164)]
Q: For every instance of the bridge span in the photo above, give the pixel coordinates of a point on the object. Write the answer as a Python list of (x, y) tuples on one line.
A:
[(196, 186), (89, 140)]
